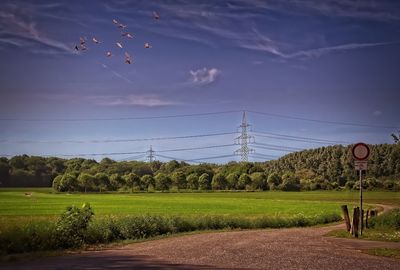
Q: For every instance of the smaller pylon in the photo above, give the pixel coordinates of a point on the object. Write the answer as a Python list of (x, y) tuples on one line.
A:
[(150, 154)]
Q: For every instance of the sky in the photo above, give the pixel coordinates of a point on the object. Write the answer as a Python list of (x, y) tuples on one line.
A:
[(302, 70)]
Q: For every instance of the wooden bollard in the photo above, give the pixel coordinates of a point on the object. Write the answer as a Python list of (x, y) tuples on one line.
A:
[(366, 219), (355, 223), (362, 220), (345, 212)]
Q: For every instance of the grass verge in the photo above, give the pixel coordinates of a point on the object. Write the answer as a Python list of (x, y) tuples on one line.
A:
[(43, 236), (385, 252)]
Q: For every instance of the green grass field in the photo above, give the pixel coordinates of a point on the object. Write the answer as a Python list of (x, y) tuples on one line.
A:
[(44, 203), (29, 223)]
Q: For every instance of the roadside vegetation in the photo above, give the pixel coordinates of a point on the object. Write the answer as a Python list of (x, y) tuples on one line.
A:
[(384, 252), (76, 227), (385, 227)]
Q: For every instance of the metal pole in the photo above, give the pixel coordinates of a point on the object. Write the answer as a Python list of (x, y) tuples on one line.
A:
[(361, 212)]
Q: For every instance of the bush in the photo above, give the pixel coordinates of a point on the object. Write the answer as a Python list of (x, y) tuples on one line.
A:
[(72, 225), (390, 220), (76, 228)]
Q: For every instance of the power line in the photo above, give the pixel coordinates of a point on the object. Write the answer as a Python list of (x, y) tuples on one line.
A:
[(122, 140), (273, 148), (278, 146), (322, 121), (298, 138), (116, 118), (265, 155), (214, 157), (132, 158), (98, 154), (171, 158), (262, 158), (150, 153), (195, 148)]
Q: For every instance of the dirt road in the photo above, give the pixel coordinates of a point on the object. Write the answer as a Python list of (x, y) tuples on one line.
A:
[(295, 248)]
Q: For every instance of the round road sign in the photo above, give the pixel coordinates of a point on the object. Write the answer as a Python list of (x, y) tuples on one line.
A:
[(360, 151)]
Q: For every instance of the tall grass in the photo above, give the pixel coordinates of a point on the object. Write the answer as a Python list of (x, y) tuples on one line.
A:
[(390, 220), (40, 236)]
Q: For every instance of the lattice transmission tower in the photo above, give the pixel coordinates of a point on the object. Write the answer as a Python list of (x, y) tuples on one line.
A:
[(243, 140), (150, 154)]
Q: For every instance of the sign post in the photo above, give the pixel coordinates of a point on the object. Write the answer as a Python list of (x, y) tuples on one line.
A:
[(360, 153)]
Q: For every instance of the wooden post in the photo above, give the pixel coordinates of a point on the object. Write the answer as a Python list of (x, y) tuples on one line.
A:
[(372, 213), (345, 212), (355, 223), (362, 221), (366, 219)]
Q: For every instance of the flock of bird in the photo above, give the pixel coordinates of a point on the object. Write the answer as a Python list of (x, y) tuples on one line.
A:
[(82, 46)]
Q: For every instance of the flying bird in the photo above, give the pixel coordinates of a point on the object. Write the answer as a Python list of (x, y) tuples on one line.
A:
[(115, 21), (122, 26), (95, 40), (119, 45), (147, 46), (128, 58), (82, 40), (156, 16), (128, 35), (76, 47), (83, 47), (108, 54)]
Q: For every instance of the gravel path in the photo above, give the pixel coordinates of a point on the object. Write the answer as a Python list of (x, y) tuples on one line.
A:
[(295, 248)]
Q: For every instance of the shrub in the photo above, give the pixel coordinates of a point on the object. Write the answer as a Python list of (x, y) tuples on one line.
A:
[(72, 225), (390, 220), (76, 227)]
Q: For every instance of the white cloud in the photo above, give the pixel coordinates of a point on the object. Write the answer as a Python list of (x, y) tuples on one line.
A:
[(377, 113), (130, 100), (204, 76)]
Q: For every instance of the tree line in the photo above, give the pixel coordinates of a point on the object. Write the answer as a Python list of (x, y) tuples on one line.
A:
[(322, 168)]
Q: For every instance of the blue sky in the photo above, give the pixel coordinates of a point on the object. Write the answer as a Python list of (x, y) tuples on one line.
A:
[(326, 60)]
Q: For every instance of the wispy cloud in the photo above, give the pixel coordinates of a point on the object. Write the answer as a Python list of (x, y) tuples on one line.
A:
[(204, 76), (270, 47), (116, 74), (315, 53), (130, 100), (19, 29), (366, 10)]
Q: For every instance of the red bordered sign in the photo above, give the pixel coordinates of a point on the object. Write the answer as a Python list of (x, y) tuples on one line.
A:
[(360, 151)]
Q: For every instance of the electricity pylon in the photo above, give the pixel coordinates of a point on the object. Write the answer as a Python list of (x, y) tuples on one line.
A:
[(243, 140), (150, 154)]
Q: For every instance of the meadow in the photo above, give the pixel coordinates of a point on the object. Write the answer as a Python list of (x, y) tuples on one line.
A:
[(30, 217), (45, 203)]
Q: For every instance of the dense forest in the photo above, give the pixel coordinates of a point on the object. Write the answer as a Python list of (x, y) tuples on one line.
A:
[(322, 168)]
